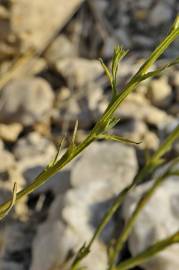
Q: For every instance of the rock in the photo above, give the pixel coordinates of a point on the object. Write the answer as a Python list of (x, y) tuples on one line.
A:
[(27, 25), (86, 106), (141, 41), (75, 214), (10, 266), (160, 14), (160, 93), (6, 157), (9, 174), (53, 243), (123, 35), (147, 112), (107, 163), (137, 131), (34, 66), (175, 83), (33, 154), (59, 49), (108, 47), (175, 110), (50, 247), (26, 101), (4, 14), (34, 145), (150, 141), (96, 179), (10, 132), (132, 129), (158, 220), (27, 66), (61, 238), (79, 71), (15, 246)]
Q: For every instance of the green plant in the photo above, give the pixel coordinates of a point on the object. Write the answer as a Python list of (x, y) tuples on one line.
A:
[(100, 131)]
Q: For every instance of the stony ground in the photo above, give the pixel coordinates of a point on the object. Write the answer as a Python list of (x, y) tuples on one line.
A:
[(49, 78)]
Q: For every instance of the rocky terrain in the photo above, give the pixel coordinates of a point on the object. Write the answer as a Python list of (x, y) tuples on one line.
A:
[(49, 78)]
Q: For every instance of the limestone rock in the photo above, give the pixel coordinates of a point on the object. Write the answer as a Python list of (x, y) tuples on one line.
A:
[(10, 132), (85, 105), (79, 71), (158, 219), (16, 238), (160, 93), (26, 101), (59, 49), (34, 153), (28, 18), (147, 112), (161, 13), (112, 164)]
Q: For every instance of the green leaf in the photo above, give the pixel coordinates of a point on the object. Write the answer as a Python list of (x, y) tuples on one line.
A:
[(111, 123), (175, 25), (12, 202), (119, 53), (72, 145), (107, 71), (116, 138), (146, 255), (54, 161), (159, 70)]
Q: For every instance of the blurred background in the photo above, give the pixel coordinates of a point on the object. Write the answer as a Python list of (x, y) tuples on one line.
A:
[(50, 76)]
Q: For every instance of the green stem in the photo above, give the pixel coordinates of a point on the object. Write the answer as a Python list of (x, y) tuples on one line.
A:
[(44, 176), (148, 253), (100, 125), (136, 78), (148, 168), (141, 204)]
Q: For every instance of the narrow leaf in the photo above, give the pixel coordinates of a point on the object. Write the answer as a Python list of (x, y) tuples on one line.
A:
[(13, 200), (107, 71), (159, 70), (116, 138), (59, 147), (147, 254), (111, 123)]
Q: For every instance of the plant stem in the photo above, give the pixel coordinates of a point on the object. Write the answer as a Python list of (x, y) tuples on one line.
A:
[(141, 204), (148, 168), (101, 124), (149, 252), (47, 173)]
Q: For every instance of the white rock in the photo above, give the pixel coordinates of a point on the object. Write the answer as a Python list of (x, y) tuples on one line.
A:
[(7, 159), (86, 105), (10, 132), (79, 71), (26, 101), (111, 163), (175, 81), (55, 240), (59, 49), (16, 239), (27, 24), (81, 208), (50, 246), (6, 265), (161, 13), (158, 220), (9, 174), (34, 145), (33, 154), (160, 93), (147, 113)]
